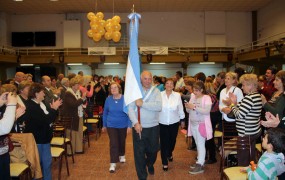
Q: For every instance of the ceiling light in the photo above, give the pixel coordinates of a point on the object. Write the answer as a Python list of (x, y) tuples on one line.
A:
[(74, 64), (53, 0), (18, 0), (207, 62), (111, 63), (26, 64), (157, 63)]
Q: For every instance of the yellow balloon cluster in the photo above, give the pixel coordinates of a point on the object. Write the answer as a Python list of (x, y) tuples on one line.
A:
[(110, 28)]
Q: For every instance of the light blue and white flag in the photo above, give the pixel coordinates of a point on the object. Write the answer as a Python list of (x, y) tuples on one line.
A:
[(133, 86)]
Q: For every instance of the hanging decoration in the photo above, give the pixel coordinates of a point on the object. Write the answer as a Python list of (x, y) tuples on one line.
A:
[(108, 29)]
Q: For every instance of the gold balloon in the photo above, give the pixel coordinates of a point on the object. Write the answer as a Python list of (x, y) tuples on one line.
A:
[(90, 15), (109, 27), (95, 27), (116, 19), (117, 27), (94, 19), (108, 35), (90, 33), (102, 23), (101, 31), (109, 21), (97, 37), (100, 15), (116, 36)]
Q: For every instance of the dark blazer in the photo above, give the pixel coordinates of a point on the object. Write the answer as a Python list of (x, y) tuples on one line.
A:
[(39, 123), (49, 96), (70, 108)]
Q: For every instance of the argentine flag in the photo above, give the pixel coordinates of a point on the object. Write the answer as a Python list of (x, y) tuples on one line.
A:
[(133, 87)]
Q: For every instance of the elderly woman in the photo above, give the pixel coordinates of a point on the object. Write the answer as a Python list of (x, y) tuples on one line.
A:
[(39, 123), (22, 97), (247, 113), (276, 105), (117, 123), (169, 118), (72, 107), (199, 127)]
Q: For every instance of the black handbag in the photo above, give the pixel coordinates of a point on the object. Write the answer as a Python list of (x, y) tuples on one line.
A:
[(231, 115)]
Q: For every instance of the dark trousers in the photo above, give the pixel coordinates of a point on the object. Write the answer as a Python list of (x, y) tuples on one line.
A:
[(145, 149), (168, 134), (243, 155), (117, 138), (210, 144), (5, 166)]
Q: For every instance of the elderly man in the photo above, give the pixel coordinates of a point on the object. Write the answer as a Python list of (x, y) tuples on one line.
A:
[(19, 77), (49, 96), (59, 78), (64, 86), (146, 131)]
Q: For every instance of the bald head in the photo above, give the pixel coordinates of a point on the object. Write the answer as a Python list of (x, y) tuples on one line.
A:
[(146, 79), (19, 77), (46, 81)]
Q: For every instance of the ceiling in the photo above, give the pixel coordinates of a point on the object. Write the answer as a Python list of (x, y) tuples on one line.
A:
[(125, 6)]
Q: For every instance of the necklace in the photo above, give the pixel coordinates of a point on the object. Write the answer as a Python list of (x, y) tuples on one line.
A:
[(116, 100)]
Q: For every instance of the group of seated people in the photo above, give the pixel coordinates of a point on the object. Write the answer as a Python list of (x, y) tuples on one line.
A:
[(255, 105)]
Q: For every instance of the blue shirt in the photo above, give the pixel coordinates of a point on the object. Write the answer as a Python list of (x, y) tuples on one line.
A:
[(114, 116)]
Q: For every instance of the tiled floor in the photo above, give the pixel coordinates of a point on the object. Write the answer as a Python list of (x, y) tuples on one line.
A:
[(94, 164)]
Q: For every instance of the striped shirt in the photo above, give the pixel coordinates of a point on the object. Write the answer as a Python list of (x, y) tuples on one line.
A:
[(269, 166), (247, 114)]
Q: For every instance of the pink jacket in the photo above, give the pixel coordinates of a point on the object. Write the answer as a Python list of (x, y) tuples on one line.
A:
[(205, 100)]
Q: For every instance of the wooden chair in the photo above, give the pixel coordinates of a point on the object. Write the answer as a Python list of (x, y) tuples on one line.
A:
[(92, 116), (60, 139), (85, 137), (20, 170), (57, 153), (234, 144), (228, 129)]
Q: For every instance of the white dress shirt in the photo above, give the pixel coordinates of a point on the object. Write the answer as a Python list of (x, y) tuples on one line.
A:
[(172, 108), (225, 95)]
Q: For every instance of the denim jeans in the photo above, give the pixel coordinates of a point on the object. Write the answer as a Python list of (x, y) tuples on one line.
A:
[(45, 160)]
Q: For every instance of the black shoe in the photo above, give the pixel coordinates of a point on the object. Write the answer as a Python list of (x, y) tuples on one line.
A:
[(165, 168), (211, 161), (170, 159), (150, 170)]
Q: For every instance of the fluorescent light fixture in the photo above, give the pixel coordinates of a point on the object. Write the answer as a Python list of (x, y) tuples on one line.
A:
[(157, 63), (111, 63), (74, 64), (207, 62), (18, 0), (26, 64), (53, 0)]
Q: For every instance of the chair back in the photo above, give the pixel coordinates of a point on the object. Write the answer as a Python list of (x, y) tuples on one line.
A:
[(64, 122), (231, 143)]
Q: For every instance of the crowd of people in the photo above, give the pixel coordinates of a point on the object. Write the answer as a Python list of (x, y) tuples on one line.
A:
[(253, 104)]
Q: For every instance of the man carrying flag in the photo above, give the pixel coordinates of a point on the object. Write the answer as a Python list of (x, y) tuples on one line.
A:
[(144, 102)]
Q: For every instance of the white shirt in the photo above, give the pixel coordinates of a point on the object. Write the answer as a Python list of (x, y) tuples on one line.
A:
[(224, 95), (172, 108), (180, 83)]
